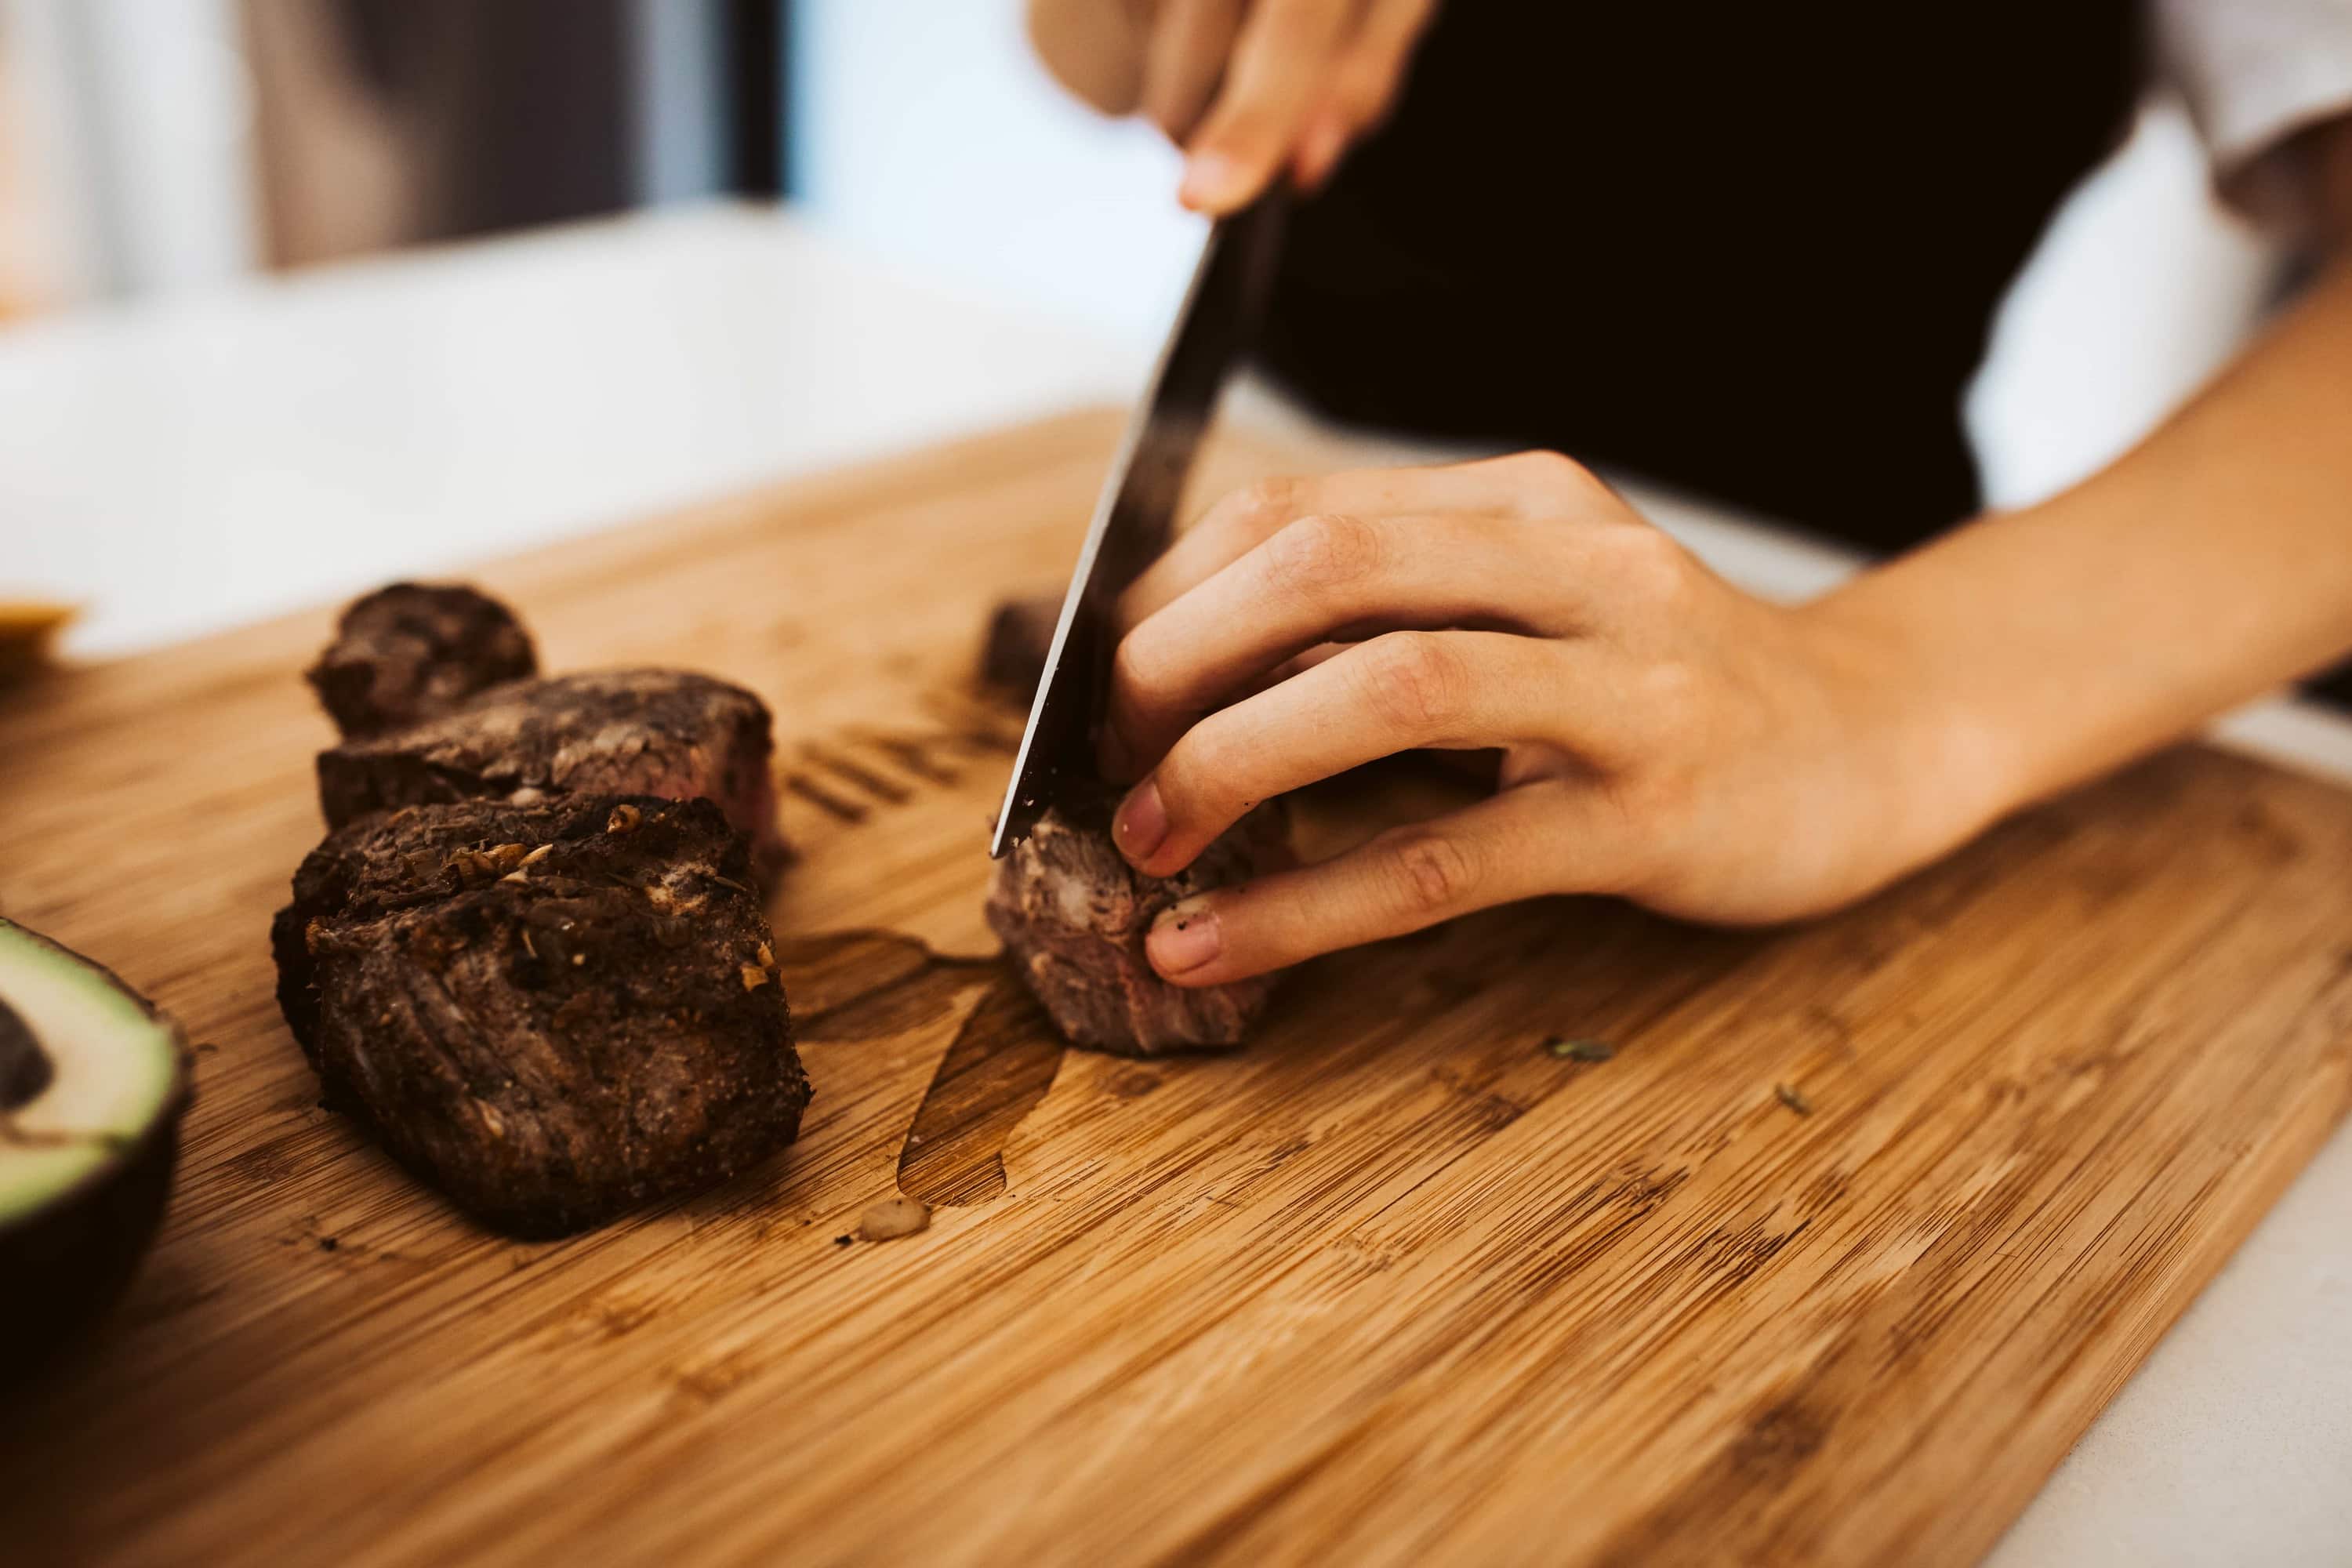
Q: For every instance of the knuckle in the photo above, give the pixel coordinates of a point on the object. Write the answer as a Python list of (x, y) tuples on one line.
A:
[(1558, 476), (1244, 519), (1139, 672), (1197, 769), (1646, 563), (1432, 874), (1414, 681), (1316, 554), (1261, 508)]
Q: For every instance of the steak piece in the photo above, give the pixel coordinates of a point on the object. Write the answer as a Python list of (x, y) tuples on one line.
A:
[(1074, 915), (417, 650), (550, 1013), (1020, 637), (621, 732)]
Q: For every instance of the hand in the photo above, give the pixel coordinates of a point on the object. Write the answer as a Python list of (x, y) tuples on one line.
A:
[(1247, 88), (1665, 736)]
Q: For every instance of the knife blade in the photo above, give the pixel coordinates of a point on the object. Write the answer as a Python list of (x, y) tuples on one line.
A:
[(1135, 515)]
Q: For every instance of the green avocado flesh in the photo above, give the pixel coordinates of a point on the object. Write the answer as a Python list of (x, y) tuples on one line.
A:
[(86, 1070)]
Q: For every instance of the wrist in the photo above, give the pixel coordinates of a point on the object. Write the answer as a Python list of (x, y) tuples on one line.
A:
[(1941, 767)]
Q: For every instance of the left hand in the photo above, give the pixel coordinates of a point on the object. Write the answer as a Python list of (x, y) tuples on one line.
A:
[(1247, 88), (1665, 736)]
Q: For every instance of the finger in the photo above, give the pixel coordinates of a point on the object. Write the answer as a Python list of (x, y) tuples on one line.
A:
[(1374, 67), (1321, 145), (1525, 485), (1273, 78), (1096, 50), (1332, 579), (1190, 42), (1363, 86), (1484, 765), (1555, 836), (1454, 690)]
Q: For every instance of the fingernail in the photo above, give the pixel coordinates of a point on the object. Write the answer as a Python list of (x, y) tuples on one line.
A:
[(1141, 826), (1209, 181), (1184, 938)]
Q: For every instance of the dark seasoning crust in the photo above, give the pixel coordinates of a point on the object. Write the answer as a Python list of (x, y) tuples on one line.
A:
[(415, 651), (530, 958), (621, 732), (552, 1014)]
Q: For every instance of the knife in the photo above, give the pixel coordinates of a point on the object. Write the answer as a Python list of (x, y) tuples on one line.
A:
[(1135, 515)]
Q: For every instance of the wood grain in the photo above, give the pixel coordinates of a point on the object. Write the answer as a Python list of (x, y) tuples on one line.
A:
[(1394, 1285)]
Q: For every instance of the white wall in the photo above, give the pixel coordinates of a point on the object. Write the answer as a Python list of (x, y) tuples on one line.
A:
[(141, 124), (929, 138)]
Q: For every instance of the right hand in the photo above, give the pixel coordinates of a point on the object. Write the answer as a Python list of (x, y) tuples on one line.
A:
[(1664, 736), (1246, 88)]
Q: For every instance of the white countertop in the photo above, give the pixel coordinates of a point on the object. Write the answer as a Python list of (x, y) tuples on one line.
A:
[(186, 466)]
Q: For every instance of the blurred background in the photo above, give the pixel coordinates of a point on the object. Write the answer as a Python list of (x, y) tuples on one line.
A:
[(151, 146), (160, 160)]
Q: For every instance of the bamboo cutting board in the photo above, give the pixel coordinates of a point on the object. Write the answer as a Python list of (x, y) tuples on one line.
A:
[(1395, 1285)]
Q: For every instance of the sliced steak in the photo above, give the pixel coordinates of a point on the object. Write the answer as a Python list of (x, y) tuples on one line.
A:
[(415, 651), (1019, 638), (551, 1013), (620, 731), (1074, 915)]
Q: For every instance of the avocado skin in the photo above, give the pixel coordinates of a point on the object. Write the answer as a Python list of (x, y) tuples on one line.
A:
[(66, 1265), (70, 1262)]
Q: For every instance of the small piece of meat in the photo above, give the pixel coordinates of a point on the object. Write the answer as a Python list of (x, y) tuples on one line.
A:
[(550, 1014), (622, 731), (1074, 914), (1020, 637), (415, 651)]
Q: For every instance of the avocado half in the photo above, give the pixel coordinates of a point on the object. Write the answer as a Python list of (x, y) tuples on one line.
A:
[(93, 1080)]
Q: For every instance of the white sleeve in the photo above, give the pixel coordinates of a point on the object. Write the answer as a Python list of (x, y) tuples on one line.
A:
[(2254, 73)]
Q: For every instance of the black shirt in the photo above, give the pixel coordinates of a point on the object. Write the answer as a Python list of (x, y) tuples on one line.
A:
[(1753, 251)]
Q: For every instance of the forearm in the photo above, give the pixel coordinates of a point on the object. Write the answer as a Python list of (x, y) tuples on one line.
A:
[(2030, 650)]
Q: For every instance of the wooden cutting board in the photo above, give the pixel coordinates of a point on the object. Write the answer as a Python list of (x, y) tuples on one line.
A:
[(1395, 1285)]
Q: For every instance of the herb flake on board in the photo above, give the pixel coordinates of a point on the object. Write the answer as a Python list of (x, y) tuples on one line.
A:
[(1792, 1099), (1579, 1050)]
